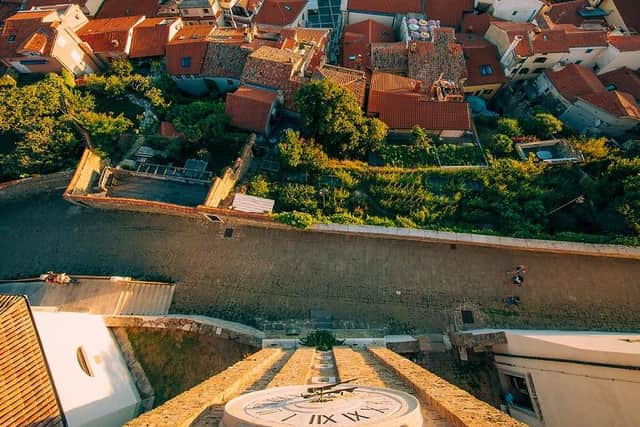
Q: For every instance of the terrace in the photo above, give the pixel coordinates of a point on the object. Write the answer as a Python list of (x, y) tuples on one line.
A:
[(557, 151)]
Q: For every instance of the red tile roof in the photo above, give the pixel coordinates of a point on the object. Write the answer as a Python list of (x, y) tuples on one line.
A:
[(390, 7), (390, 57), (587, 38), (190, 42), (150, 37), (399, 102), (449, 12), (623, 79), (357, 39), (108, 35), (567, 13), (279, 12), (550, 41), (630, 13), (28, 32), (625, 43), (168, 130), (249, 108), (118, 8), (442, 56), (354, 81), (28, 395), (574, 81), (479, 53), (619, 104), (518, 29), (477, 23)]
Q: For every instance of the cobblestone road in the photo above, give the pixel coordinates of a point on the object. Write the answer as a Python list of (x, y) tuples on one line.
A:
[(284, 274)]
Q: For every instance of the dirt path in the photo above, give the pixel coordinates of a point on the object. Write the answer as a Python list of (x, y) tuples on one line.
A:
[(281, 274)]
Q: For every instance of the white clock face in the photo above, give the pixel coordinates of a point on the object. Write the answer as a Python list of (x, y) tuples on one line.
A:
[(286, 406)]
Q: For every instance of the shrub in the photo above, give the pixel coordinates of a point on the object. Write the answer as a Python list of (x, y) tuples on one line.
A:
[(509, 127), (322, 340), (259, 187), (408, 156), (295, 219), (500, 145), (543, 125), (297, 197)]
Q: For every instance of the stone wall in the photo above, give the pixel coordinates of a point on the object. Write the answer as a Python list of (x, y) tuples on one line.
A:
[(297, 369), (87, 173), (222, 186), (187, 407), (33, 185), (454, 404), (199, 324)]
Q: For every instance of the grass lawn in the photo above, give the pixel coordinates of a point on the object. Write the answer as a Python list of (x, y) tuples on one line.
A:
[(175, 361)]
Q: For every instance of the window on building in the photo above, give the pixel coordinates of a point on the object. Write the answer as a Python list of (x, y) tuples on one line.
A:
[(12, 37), (579, 61), (287, 8), (41, 61), (83, 362), (487, 92), (185, 62), (185, 11), (538, 70), (486, 70), (588, 50), (517, 387), (611, 87), (352, 57), (540, 60), (523, 71), (514, 13), (205, 11)]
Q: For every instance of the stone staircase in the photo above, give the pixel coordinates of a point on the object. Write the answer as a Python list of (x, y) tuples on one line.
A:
[(144, 298)]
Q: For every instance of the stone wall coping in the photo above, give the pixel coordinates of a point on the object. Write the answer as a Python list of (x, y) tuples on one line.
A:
[(184, 409), (460, 408), (534, 245)]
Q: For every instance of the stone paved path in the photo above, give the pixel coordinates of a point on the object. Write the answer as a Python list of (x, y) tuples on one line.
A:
[(284, 274)]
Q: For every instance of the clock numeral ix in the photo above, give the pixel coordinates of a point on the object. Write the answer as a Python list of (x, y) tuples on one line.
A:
[(354, 416)]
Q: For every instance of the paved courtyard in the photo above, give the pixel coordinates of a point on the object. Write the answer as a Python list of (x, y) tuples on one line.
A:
[(281, 274)]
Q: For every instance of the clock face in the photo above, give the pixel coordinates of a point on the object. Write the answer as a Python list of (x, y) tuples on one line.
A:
[(292, 406)]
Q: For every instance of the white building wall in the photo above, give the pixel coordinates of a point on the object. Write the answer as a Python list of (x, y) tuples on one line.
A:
[(355, 17), (589, 118), (612, 59), (516, 10)]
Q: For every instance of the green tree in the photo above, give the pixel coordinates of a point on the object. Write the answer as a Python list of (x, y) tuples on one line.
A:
[(290, 149), (509, 127), (419, 136), (104, 128), (330, 114), (259, 187), (543, 125), (121, 67), (592, 148), (202, 122), (501, 145)]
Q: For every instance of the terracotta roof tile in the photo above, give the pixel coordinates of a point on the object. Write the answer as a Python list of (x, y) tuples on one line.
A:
[(357, 39), (24, 31), (119, 8), (626, 43), (480, 54), (28, 395), (443, 56), (567, 13), (353, 80), (185, 53), (574, 80), (477, 23), (630, 13), (279, 12), (249, 108), (150, 37), (586, 38), (550, 41), (449, 12), (517, 29), (108, 35), (390, 7), (623, 79), (225, 60), (619, 104), (401, 104), (390, 57)]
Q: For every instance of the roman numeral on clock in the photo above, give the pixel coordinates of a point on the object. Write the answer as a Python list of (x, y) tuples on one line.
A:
[(354, 416)]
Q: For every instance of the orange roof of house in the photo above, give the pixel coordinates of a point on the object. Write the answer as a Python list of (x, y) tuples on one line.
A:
[(623, 79), (619, 104), (110, 34), (190, 42), (357, 39), (279, 12), (480, 54), (119, 8), (550, 41), (449, 12), (27, 33), (150, 37), (28, 395), (401, 104), (567, 13), (626, 43), (354, 81), (477, 23), (630, 13), (581, 38), (518, 29), (249, 108), (574, 81), (390, 7)]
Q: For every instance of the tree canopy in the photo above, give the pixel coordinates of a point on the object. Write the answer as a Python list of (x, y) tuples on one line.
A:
[(330, 114)]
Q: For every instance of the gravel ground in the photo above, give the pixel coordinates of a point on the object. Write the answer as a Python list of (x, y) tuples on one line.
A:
[(283, 274)]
